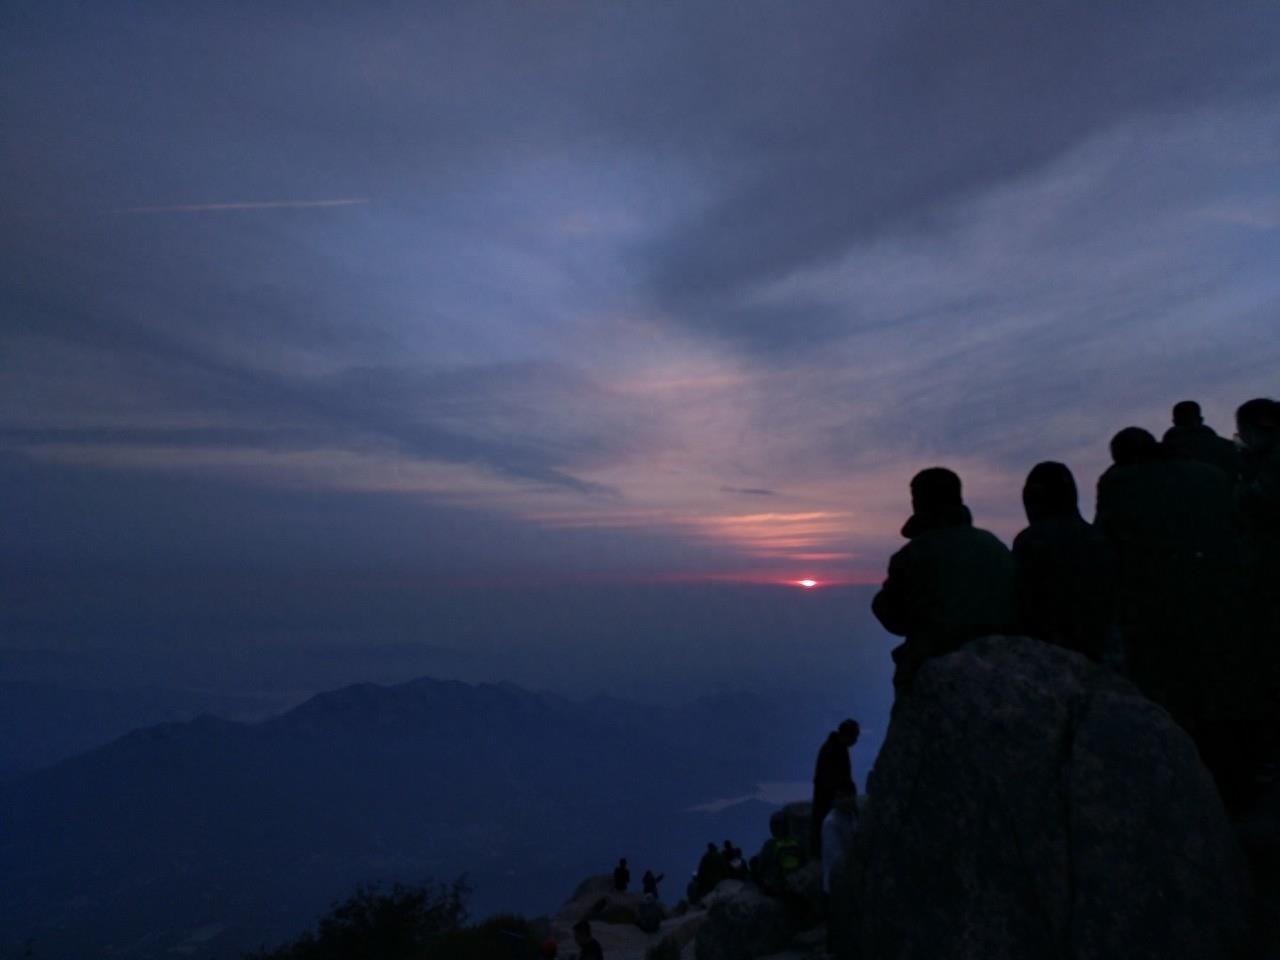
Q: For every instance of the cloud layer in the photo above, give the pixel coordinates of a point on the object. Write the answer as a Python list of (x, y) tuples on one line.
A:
[(695, 288)]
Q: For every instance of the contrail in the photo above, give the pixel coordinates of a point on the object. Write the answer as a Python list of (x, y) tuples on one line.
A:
[(245, 205)]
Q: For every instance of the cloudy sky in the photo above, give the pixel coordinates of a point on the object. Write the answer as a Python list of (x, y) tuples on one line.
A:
[(572, 289)]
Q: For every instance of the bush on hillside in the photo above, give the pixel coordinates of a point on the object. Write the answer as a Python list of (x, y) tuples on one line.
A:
[(378, 924)]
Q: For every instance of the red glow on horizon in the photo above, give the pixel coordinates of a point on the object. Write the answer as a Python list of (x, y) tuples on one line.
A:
[(807, 584)]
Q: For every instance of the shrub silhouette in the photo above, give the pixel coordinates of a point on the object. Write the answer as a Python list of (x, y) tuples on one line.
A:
[(377, 924)]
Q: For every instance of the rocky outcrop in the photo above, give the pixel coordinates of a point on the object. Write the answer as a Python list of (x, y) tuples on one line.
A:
[(597, 900), (742, 925), (1028, 803), (628, 925)]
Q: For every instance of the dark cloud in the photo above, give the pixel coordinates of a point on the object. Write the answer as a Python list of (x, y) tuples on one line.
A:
[(750, 491), (596, 237), (931, 103)]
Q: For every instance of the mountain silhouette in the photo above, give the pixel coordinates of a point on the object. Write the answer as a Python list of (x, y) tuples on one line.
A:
[(235, 834)]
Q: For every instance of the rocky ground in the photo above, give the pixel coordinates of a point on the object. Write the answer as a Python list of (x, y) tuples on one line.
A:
[(1026, 803)]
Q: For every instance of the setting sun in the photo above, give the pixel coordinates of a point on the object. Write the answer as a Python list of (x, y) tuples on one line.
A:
[(807, 584)]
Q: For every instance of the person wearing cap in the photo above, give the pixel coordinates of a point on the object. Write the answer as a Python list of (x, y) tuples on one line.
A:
[(832, 773), (950, 584)]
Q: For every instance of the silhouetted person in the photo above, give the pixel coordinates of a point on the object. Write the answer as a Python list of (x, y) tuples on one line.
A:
[(588, 946), (621, 876), (711, 870), (1190, 438), (780, 873), (734, 865), (832, 773), (951, 584), (1171, 524), (1258, 493), (649, 883), (1258, 505), (1064, 569), (838, 827), (780, 857)]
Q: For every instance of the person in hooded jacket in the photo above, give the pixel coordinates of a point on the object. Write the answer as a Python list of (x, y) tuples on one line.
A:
[(950, 584), (1064, 569)]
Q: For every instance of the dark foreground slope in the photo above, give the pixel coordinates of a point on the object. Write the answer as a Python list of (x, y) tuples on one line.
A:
[(213, 835)]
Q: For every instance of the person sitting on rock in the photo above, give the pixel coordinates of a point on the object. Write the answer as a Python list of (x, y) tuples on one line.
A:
[(831, 773), (649, 883), (951, 584), (780, 857), (1190, 438), (588, 946), (1064, 570), (621, 876)]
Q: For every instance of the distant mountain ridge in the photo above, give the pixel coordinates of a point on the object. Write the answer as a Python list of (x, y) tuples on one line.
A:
[(251, 828), (42, 723)]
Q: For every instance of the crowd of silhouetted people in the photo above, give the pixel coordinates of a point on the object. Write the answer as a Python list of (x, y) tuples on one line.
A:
[(1175, 583)]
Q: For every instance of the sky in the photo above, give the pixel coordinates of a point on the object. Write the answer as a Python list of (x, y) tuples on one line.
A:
[(470, 294)]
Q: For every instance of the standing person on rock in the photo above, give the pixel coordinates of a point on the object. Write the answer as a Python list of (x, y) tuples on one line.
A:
[(832, 773), (951, 584), (621, 876)]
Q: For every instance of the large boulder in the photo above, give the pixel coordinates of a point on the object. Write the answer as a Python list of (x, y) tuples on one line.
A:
[(598, 901), (1029, 803), (741, 925)]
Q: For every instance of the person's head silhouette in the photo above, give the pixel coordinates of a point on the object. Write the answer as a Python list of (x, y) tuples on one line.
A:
[(1050, 491), (1134, 445), (935, 489), (1258, 424), (848, 732), (1186, 413)]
